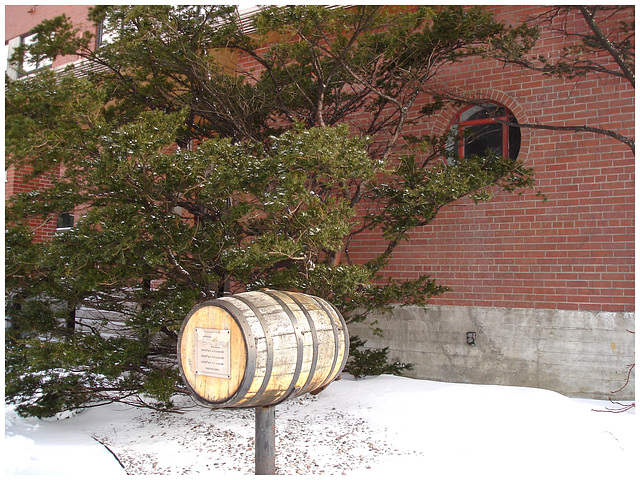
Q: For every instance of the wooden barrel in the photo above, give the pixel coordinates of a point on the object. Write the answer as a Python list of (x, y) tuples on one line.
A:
[(260, 348)]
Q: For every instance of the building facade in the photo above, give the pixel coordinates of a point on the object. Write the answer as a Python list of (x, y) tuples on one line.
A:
[(546, 288), (19, 23), (542, 289)]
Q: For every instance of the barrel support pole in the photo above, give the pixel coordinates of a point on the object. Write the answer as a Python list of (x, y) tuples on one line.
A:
[(265, 440)]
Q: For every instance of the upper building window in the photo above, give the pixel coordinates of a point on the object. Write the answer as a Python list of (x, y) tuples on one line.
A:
[(104, 37), (482, 129), (65, 221), (30, 64)]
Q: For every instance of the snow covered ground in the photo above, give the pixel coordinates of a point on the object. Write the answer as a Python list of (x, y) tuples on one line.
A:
[(376, 425)]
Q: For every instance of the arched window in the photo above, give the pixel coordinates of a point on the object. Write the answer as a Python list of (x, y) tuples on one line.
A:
[(479, 129)]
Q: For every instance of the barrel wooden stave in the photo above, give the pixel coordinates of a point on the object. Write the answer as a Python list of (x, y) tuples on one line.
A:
[(341, 337), (284, 349)]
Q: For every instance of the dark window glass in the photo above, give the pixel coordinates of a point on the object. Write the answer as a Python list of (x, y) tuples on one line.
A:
[(65, 220), (514, 142), (484, 129), (480, 139)]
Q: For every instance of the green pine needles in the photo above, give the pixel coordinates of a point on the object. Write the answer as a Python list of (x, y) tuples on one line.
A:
[(188, 182)]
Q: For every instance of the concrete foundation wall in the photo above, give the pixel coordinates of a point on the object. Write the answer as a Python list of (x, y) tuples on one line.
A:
[(580, 354)]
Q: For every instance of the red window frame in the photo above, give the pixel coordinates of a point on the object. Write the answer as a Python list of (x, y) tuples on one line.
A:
[(461, 124)]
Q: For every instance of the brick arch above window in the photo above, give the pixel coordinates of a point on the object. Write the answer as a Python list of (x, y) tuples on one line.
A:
[(447, 117)]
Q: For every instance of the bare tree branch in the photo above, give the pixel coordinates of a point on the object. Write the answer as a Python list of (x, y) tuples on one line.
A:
[(576, 128), (607, 44)]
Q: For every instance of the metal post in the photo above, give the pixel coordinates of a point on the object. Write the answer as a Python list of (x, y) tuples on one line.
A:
[(265, 441)]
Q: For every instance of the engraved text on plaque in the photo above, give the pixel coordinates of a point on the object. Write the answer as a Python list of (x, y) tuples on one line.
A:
[(212, 352)]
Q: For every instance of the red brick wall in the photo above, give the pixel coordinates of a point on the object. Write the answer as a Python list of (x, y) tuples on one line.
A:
[(20, 19), (19, 181), (574, 251)]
